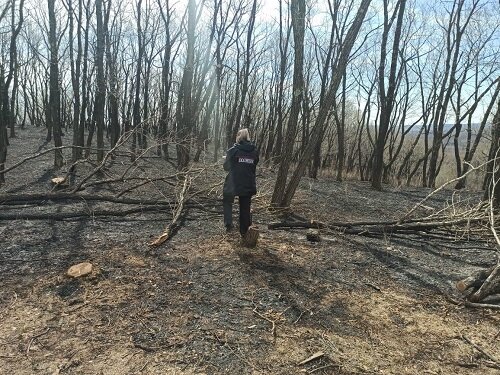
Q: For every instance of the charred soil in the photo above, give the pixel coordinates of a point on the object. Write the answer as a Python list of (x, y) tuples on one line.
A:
[(202, 304)]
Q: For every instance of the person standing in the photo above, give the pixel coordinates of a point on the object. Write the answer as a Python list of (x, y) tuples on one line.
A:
[(240, 163)]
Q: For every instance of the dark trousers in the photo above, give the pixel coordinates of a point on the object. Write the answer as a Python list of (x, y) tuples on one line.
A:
[(227, 203), (245, 215)]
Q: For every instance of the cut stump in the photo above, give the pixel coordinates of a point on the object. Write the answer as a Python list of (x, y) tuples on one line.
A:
[(251, 236), (60, 182), (80, 269)]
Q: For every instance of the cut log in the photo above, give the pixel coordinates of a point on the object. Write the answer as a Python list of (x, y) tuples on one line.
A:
[(251, 236), (475, 280), (490, 286)]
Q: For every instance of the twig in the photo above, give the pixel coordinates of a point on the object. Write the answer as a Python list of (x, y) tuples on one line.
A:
[(143, 367), (472, 304), (374, 287), (273, 323), (316, 355), (96, 170), (177, 214), (301, 314), (34, 338), (481, 350), (441, 188)]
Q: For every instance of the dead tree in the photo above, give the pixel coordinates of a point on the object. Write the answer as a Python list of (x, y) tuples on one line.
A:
[(7, 116), (79, 137)]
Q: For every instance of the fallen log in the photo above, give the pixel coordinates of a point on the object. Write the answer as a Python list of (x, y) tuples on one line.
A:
[(79, 214), (490, 286), (17, 199), (376, 228), (474, 280), (40, 198)]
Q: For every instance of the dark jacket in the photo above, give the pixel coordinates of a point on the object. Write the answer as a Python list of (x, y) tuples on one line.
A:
[(241, 160)]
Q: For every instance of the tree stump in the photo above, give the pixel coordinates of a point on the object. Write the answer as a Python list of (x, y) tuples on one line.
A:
[(251, 236), (59, 182), (80, 269)]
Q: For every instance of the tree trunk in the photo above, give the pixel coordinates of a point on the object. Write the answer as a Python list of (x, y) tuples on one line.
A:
[(3, 121), (325, 107), (386, 98), (100, 95), (298, 25), (166, 83), (492, 168), (114, 123), (80, 135), (136, 112), (54, 105), (184, 113)]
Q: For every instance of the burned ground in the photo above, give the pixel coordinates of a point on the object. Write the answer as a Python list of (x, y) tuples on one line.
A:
[(202, 304)]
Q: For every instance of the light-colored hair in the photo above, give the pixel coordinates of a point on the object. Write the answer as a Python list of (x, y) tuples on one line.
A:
[(243, 135)]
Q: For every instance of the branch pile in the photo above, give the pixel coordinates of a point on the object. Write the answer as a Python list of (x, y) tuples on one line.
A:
[(118, 186)]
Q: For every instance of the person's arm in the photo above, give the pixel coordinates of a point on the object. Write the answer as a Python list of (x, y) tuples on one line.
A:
[(227, 161)]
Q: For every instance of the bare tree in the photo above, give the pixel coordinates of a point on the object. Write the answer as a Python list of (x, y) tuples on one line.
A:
[(338, 71), (13, 63), (386, 97), (455, 30), (298, 11), (493, 166), (184, 115), (4, 107), (53, 110), (100, 96), (111, 63)]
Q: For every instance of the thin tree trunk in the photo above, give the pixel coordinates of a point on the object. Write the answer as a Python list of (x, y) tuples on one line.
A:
[(54, 105), (100, 95), (386, 98), (184, 113), (298, 8), (325, 108)]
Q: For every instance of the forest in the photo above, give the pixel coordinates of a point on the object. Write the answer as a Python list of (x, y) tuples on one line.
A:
[(377, 123)]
